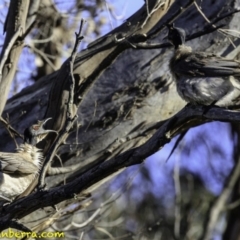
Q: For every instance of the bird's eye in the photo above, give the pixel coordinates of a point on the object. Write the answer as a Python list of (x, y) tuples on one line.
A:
[(35, 127)]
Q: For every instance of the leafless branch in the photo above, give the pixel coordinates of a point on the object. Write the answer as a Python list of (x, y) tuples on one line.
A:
[(70, 113), (178, 197), (221, 202)]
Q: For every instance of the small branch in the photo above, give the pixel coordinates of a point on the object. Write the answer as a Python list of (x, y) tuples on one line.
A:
[(10, 129), (43, 55), (71, 114), (178, 197), (208, 29), (180, 11), (232, 205), (158, 5), (213, 25), (219, 206), (60, 170)]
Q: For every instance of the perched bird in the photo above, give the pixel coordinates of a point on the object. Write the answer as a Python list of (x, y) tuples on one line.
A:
[(201, 77), (18, 169)]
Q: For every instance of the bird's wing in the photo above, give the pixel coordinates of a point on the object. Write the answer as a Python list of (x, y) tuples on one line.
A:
[(205, 65), (15, 163)]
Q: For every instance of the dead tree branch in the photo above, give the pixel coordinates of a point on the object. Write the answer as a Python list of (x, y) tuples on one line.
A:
[(190, 115)]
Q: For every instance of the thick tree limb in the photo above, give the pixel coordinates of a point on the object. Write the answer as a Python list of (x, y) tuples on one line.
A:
[(15, 27), (190, 115)]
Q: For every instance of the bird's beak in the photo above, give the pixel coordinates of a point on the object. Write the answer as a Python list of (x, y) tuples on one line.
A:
[(41, 127)]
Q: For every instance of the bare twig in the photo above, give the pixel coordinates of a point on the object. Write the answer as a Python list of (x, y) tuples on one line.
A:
[(219, 206), (180, 11), (157, 6), (209, 29), (94, 113), (178, 197), (112, 199), (12, 132), (232, 205), (181, 136), (43, 55), (105, 232), (108, 13), (71, 115), (214, 26)]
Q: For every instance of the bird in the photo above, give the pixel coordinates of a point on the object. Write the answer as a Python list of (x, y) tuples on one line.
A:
[(201, 77), (19, 169)]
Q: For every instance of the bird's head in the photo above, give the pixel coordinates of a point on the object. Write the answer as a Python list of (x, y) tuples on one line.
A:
[(176, 36), (36, 133)]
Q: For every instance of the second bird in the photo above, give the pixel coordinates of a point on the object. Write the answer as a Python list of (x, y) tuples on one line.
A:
[(18, 169), (201, 77)]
